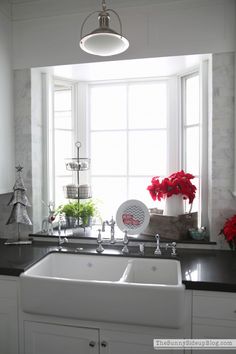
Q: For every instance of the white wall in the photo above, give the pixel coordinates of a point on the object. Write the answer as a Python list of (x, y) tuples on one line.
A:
[(7, 149), (42, 38)]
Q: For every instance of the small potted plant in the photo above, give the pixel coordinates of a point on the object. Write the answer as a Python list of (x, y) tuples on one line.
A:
[(78, 213), (88, 210), (229, 232), (72, 213), (176, 188)]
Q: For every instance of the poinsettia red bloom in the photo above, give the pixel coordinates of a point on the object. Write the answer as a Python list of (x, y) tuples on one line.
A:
[(229, 231), (176, 183)]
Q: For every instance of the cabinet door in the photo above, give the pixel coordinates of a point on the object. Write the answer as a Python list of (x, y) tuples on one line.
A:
[(8, 327), (129, 343), (43, 338), (213, 332)]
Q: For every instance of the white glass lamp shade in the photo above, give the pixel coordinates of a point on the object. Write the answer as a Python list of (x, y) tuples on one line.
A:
[(104, 43)]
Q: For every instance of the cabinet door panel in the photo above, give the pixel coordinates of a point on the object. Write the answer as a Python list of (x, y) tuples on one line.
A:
[(129, 343), (42, 338), (215, 306), (8, 327), (213, 332), (133, 348)]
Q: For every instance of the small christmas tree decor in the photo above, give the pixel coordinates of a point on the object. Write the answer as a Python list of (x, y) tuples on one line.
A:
[(19, 203)]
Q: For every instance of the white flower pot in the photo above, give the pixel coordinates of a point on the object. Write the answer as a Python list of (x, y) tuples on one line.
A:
[(174, 205)]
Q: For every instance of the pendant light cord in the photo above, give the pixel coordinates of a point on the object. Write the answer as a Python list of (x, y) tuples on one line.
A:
[(104, 9)]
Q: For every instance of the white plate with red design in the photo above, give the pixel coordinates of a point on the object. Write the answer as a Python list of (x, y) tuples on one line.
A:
[(132, 216)]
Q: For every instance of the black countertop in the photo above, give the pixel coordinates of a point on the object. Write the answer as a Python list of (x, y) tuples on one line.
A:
[(201, 269)]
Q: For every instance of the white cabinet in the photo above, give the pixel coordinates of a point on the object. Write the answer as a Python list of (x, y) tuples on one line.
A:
[(44, 338), (8, 315), (42, 334), (49, 338), (214, 316)]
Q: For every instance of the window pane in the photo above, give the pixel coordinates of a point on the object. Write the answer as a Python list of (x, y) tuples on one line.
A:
[(192, 150), (63, 149), (147, 105), (110, 193), (62, 100), (108, 153), (60, 182), (62, 120), (147, 153), (192, 100), (108, 107)]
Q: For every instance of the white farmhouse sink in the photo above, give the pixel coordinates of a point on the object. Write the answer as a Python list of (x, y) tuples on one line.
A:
[(153, 271), (106, 288), (80, 267)]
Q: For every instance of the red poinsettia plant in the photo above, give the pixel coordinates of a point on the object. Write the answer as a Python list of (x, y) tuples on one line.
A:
[(177, 183), (229, 232)]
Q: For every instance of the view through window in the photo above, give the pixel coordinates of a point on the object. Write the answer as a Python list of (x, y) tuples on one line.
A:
[(134, 131)]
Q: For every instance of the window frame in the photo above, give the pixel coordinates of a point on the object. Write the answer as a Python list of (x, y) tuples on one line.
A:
[(81, 123), (171, 84), (51, 147), (203, 72)]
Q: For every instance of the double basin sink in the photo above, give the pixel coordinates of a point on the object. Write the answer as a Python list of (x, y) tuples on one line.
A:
[(106, 288)]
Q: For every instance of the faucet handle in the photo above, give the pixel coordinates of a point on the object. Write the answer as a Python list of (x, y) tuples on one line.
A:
[(141, 248), (157, 250), (112, 221), (125, 249), (126, 239), (99, 249), (61, 241), (157, 237), (173, 247)]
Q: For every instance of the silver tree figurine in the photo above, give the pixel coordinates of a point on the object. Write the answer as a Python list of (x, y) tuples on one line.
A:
[(19, 203)]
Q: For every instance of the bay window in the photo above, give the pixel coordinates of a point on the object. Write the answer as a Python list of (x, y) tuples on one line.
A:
[(132, 130)]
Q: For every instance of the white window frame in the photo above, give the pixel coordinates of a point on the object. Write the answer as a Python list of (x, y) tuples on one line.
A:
[(51, 148), (173, 160), (203, 72)]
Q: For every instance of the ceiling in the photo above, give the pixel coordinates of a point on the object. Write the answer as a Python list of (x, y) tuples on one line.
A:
[(126, 69), (30, 9), (97, 2)]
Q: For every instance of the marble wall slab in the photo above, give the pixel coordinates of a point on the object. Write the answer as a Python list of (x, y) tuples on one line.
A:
[(221, 160)]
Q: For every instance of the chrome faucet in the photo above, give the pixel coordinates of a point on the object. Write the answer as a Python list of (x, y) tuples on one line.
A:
[(99, 249), (172, 245), (125, 249), (61, 240), (157, 250), (110, 223)]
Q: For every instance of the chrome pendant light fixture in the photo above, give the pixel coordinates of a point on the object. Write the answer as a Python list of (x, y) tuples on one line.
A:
[(103, 41)]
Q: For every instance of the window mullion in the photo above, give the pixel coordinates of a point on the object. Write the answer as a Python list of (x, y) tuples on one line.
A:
[(173, 130)]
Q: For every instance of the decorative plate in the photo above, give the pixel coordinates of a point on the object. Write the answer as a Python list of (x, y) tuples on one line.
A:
[(132, 216)]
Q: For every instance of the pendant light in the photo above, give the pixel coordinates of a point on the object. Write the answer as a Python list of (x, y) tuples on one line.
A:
[(103, 41)]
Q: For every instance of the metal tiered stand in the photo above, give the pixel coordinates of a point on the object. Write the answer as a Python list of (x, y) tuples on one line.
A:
[(77, 191)]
